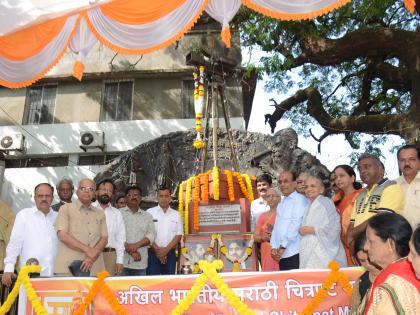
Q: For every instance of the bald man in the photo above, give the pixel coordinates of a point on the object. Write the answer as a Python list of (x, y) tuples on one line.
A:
[(82, 231)]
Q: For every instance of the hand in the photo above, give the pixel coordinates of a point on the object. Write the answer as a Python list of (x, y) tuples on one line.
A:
[(267, 237), (93, 253), (130, 247), (7, 279), (161, 252), (118, 269), (275, 254), (136, 256), (304, 230), (86, 264), (163, 260)]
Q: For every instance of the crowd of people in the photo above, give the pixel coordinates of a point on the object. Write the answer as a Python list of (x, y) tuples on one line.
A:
[(369, 225), (296, 225)]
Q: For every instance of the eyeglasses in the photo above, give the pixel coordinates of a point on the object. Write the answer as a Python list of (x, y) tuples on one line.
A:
[(271, 196), (106, 190), (86, 189)]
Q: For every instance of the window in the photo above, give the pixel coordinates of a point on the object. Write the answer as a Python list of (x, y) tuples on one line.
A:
[(188, 99), (40, 104), (100, 159), (38, 162), (117, 101)]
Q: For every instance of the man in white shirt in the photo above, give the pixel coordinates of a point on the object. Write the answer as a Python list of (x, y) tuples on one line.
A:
[(33, 235), (114, 251), (168, 224), (259, 205), (409, 165)]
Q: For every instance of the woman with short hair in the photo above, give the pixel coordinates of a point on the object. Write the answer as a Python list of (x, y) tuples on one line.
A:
[(320, 230)]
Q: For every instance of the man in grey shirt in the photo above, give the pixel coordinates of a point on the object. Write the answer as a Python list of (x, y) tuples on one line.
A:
[(140, 233)]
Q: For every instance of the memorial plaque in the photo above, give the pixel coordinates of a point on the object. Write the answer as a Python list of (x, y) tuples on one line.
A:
[(221, 217)]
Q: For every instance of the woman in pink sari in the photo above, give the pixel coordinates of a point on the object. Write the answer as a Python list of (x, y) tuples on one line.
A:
[(264, 227)]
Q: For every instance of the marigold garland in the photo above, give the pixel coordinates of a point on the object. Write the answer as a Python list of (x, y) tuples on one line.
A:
[(242, 185), (181, 200), (100, 285), (196, 202), (187, 201), (206, 187), (216, 183), (199, 106), (229, 180), (249, 187), (334, 276), (24, 279), (236, 262)]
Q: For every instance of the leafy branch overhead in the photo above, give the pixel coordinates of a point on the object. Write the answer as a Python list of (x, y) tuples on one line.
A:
[(355, 70)]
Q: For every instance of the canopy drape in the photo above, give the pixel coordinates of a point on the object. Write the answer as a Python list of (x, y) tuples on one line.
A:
[(35, 34)]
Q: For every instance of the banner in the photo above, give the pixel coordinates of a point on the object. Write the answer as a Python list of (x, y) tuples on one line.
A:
[(271, 293)]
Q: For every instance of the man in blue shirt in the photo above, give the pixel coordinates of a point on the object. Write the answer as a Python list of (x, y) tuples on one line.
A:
[(285, 237)]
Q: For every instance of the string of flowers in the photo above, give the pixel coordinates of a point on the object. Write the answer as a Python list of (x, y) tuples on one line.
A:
[(181, 200), (242, 185), (205, 193), (236, 261), (189, 259), (199, 106), (187, 201), (229, 180), (24, 279), (210, 270), (100, 285), (216, 183), (334, 276), (249, 186), (196, 202)]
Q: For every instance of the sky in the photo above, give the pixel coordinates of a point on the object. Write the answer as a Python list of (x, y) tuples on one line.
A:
[(335, 150)]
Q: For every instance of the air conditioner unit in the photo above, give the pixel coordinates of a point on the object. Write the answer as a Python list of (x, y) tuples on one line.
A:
[(12, 144), (92, 140)]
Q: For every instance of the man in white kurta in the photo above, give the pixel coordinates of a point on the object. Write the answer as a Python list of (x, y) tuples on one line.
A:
[(33, 235)]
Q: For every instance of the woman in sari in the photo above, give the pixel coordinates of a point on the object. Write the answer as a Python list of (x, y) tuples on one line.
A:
[(396, 289), (345, 180), (414, 256), (264, 228), (320, 230)]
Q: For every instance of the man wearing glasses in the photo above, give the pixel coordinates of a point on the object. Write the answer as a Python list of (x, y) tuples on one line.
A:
[(82, 231)]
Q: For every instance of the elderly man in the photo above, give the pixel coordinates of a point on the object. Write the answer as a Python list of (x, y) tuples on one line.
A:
[(65, 192), (409, 164), (82, 231), (380, 195), (140, 233), (114, 250), (285, 237), (33, 235)]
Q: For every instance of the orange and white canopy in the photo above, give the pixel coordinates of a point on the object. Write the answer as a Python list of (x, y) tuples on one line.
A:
[(35, 34)]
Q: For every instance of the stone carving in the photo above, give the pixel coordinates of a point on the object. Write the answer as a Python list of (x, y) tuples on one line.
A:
[(171, 158)]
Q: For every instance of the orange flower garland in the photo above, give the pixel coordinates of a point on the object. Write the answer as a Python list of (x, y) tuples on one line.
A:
[(187, 201), (196, 201), (206, 187), (229, 179), (181, 200), (199, 106), (242, 185)]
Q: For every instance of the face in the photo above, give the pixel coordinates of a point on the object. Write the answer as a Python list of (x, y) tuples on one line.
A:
[(235, 251), (301, 183), (408, 162), (380, 253), (414, 258), (133, 198), (86, 191), (286, 183), (104, 193), (65, 191), (370, 172), (343, 180), (333, 183), (164, 198), (43, 198), (363, 259), (121, 203), (262, 188), (272, 198), (314, 188), (199, 250)]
